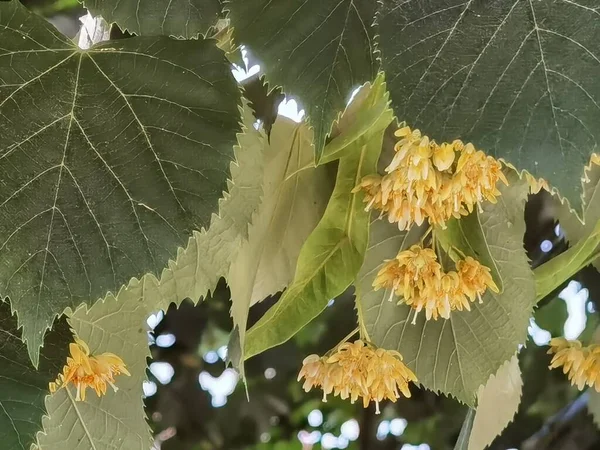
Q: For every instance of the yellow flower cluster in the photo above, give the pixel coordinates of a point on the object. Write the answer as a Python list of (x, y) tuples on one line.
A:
[(417, 277), (581, 364), (430, 180), (86, 371), (358, 370)]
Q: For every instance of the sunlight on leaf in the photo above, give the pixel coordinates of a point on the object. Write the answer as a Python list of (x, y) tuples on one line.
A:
[(326, 54)]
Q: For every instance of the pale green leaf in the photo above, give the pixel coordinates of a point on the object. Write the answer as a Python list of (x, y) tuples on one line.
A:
[(179, 18), (295, 196), (118, 325), (330, 258), (462, 442), (318, 50), (518, 78), (109, 159), (497, 404), (368, 112), (22, 387), (117, 418), (458, 355)]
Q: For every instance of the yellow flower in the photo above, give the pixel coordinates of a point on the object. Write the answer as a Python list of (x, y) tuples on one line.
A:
[(571, 356), (452, 291), (591, 367), (83, 371), (478, 175), (580, 364), (371, 185), (358, 370), (313, 371), (415, 276), (475, 278), (443, 156), (425, 180)]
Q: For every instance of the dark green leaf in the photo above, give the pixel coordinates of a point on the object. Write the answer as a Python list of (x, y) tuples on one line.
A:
[(518, 78), (552, 316), (179, 18), (330, 258), (458, 355), (22, 387), (318, 50), (263, 102), (109, 158)]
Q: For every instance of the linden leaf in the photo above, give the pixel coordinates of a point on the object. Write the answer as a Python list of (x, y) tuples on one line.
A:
[(139, 129), (457, 355), (320, 59), (517, 78), (497, 404), (369, 110), (117, 418), (22, 387), (295, 196), (179, 18), (118, 324), (331, 256), (573, 228), (465, 431)]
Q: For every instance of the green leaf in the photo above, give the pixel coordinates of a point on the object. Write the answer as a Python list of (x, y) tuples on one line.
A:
[(462, 443), (117, 418), (553, 273), (466, 237), (458, 355), (330, 258), (186, 19), (209, 253), (368, 112), (318, 50), (295, 197), (517, 78), (497, 404), (263, 101), (22, 387), (110, 158), (594, 405), (573, 228), (552, 316), (118, 324)]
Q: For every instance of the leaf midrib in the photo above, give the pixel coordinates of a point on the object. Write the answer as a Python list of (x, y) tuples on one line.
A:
[(346, 237)]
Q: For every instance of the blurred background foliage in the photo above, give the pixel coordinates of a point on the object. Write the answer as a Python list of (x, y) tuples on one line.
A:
[(194, 402)]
